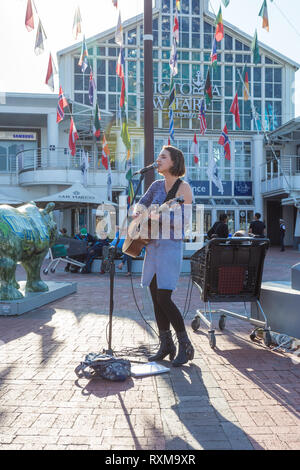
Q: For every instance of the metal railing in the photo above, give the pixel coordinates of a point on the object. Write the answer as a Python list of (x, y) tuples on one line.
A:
[(280, 174), (61, 158)]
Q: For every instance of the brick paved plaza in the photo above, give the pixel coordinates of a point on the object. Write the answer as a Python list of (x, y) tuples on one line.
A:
[(239, 396)]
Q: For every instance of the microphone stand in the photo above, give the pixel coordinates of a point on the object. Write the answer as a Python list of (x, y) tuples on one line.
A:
[(110, 267)]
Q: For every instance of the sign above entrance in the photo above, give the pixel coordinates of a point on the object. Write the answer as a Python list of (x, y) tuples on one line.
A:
[(188, 96), (243, 188), (200, 188), (17, 135)]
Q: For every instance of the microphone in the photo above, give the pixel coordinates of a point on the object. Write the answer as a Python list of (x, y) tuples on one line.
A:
[(144, 170)]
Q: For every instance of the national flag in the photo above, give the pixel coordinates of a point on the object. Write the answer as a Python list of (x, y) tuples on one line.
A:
[(40, 38), (83, 61), (246, 87), (92, 87), (212, 173), (62, 103), (173, 59), (29, 20), (195, 149), (214, 55), (73, 136), (176, 27), (202, 118), (130, 190), (119, 32), (172, 94), (171, 124), (264, 14), (84, 166), (105, 153), (208, 89), (115, 3), (255, 49), (120, 72), (235, 110), (96, 126), (169, 141), (77, 23), (225, 3), (219, 26), (109, 182), (224, 141), (50, 73), (178, 5), (125, 132)]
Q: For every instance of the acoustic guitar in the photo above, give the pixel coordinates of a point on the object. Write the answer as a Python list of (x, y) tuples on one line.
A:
[(141, 228)]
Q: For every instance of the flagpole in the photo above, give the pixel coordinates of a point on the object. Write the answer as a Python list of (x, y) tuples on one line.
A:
[(148, 93)]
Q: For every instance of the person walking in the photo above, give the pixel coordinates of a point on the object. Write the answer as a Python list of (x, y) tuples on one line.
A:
[(163, 258), (282, 229), (257, 227)]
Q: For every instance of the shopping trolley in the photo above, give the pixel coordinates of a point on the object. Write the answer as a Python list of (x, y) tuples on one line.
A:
[(62, 253), (230, 270)]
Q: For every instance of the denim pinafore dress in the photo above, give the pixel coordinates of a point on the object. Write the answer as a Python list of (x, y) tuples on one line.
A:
[(163, 257)]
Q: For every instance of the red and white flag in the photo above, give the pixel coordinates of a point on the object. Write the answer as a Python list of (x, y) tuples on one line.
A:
[(115, 3), (235, 110), (62, 103), (29, 21), (176, 27), (202, 118), (195, 149), (105, 153), (50, 73), (73, 136)]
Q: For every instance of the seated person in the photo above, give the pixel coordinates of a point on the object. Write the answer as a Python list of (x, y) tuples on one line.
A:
[(93, 252), (83, 235)]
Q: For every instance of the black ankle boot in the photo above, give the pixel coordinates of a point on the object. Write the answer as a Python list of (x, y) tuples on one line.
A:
[(167, 347), (186, 350)]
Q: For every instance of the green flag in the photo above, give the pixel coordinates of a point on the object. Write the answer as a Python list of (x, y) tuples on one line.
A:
[(226, 2), (124, 130), (208, 89), (255, 49)]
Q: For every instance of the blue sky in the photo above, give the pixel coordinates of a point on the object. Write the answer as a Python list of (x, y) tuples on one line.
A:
[(26, 72)]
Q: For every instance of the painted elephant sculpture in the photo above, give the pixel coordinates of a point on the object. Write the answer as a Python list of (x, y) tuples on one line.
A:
[(26, 233)]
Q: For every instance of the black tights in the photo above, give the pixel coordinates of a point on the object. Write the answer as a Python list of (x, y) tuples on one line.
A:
[(166, 312)]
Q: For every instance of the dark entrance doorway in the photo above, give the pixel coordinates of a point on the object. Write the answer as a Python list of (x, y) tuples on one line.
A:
[(274, 213)]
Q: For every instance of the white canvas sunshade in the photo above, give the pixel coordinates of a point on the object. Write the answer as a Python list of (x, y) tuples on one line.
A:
[(75, 194), (9, 200)]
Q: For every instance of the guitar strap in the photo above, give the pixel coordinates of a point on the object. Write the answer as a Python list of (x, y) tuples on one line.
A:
[(172, 193)]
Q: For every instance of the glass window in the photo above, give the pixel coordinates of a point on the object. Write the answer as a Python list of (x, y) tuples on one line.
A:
[(196, 7), (101, 51), (228, 43), (184, 7), (165, 6)]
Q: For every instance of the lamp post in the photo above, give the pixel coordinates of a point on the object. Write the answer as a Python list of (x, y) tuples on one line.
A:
[(148, 93)]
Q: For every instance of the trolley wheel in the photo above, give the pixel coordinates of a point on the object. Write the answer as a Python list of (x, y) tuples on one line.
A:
[(45, 271), (222, 322), (195, 324), (267, 338), (52, 270), (212, 339)]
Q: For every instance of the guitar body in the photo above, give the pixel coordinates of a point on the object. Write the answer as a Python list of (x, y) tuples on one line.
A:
[(143, 229)]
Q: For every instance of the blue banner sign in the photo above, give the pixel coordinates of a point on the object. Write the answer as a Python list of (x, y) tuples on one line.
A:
[(200, 188), (227, 188), (243, 188)]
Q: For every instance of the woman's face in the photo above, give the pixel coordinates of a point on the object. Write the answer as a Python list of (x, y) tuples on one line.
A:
[(164, 161)]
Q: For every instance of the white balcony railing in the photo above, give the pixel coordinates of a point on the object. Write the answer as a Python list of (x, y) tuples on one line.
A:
[(281, 176)]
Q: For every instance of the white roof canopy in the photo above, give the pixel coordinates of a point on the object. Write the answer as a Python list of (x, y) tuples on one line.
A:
[(75, 194), (9, 200)]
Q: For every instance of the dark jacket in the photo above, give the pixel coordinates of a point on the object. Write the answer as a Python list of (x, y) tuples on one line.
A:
[(219, 229)]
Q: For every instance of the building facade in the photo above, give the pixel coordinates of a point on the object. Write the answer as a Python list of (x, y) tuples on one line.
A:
[(248, 178)]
